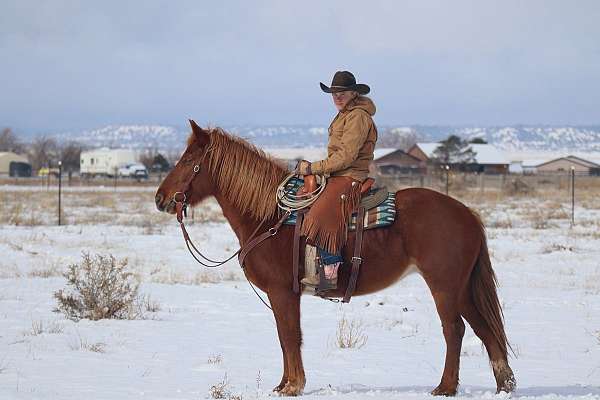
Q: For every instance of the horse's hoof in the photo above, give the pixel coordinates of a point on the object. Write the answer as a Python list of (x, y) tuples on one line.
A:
[(291, 389), (279, 387), (509, 385), (443, 391)]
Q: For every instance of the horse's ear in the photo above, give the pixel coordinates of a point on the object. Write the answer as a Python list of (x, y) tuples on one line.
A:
[(200, 134)]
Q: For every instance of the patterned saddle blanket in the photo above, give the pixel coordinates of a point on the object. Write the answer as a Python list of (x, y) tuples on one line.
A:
[(382, 215)]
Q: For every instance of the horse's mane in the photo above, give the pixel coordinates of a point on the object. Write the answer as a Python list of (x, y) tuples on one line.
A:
[(244, 174)]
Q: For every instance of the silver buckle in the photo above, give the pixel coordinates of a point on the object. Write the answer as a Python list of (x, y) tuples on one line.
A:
[(175, 197)]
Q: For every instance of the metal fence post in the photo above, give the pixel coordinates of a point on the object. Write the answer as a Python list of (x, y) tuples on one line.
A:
[(447, 167), (59, 190), (572, 196)]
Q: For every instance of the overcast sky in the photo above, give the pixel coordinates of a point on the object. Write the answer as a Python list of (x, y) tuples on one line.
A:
[(82, 64)]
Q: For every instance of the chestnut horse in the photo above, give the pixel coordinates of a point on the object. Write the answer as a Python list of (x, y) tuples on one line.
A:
[(434, 235)]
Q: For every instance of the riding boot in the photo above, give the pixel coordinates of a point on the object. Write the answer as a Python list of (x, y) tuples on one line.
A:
[(323, 280)]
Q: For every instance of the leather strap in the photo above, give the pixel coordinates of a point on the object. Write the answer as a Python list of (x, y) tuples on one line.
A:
[(247, 248), (296, 249), (356, 260)]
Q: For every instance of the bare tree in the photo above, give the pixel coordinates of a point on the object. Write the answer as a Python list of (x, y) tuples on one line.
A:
[(399, 138), (43, 152), (70, 155), (10, 142), (147, 158)]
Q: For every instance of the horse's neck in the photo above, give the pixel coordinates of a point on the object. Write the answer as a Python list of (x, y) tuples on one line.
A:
[(242, 224)]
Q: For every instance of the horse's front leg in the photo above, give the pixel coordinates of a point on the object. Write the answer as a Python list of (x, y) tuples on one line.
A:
[(286, 309)]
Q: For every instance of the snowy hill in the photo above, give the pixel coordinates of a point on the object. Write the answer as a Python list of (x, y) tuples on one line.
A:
[(508, 138)]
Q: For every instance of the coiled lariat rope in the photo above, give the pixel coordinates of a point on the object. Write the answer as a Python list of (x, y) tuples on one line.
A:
[(289, 201)]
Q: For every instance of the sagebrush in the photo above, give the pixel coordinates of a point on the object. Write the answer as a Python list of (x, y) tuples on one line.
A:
[(99, 287)]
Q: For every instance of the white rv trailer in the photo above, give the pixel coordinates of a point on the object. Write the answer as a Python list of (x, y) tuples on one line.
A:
[(105, 161)]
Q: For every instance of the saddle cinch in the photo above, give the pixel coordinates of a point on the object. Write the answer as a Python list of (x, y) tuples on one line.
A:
[(376, 209)]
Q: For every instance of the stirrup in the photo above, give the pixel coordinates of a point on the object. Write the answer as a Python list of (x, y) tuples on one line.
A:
[(325, 285), (319, 283)]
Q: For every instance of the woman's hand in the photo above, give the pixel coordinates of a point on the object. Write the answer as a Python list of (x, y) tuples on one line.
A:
[(303, 168)]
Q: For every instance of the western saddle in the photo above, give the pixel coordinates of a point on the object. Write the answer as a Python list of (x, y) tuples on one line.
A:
[(310, 185)]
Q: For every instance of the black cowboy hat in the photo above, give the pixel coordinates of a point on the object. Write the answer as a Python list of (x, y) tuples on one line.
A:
[(344, 80)]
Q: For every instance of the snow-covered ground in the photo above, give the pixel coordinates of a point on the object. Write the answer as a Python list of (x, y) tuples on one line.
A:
[(211, 327)]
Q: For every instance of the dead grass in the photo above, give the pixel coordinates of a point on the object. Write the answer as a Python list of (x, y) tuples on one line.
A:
[(39, 327), (215, 359), (556, 247), (46, 272), (177, 278), (350, 334), (81, 343)]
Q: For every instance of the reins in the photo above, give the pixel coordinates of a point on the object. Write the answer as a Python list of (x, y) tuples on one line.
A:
[(180, 200)]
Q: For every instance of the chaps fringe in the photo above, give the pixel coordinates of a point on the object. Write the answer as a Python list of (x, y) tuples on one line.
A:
[(326, 224)]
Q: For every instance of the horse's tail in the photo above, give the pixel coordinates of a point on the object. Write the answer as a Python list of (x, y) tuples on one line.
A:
[(483, 289)]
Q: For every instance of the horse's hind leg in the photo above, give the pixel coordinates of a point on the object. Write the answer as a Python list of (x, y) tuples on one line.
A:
[(505, 379), (286, 309), (454, 329)]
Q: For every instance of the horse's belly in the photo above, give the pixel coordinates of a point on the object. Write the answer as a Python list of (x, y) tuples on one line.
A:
[(377, 278)]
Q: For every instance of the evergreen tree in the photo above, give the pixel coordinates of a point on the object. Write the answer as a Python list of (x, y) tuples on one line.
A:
[(454, 150)]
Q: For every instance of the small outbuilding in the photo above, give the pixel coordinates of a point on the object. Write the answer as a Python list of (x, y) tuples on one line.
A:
[(488, 159), (397, 162), (564, 164), (13, 164)]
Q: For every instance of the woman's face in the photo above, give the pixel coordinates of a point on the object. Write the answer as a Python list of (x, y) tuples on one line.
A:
[(341, 99)]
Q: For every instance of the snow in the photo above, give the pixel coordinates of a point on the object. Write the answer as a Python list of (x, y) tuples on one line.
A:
[(211, 325)]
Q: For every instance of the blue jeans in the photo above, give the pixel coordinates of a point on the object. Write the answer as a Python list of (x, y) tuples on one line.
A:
[(328, 258)]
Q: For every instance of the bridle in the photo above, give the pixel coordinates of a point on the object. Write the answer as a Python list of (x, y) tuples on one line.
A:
[(181, 205)]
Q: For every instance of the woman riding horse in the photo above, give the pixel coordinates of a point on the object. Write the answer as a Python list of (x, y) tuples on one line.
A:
[(352, 137)]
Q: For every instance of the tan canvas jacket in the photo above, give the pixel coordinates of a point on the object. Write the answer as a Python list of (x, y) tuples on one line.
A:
[(352, 137)]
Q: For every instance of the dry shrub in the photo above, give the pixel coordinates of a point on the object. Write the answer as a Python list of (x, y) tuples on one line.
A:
[(99, 287), (221, 391), (350, 334)]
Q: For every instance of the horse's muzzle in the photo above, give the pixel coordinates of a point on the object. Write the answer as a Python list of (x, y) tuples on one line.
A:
[(158, 199)]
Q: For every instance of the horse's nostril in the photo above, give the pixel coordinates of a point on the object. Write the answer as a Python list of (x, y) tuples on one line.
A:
[(158, 200)]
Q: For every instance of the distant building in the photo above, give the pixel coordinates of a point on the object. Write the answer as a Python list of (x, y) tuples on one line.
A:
[(397, 162), (13, 164), (525, 167), (105, 161), (564, 164), (488, 159)]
